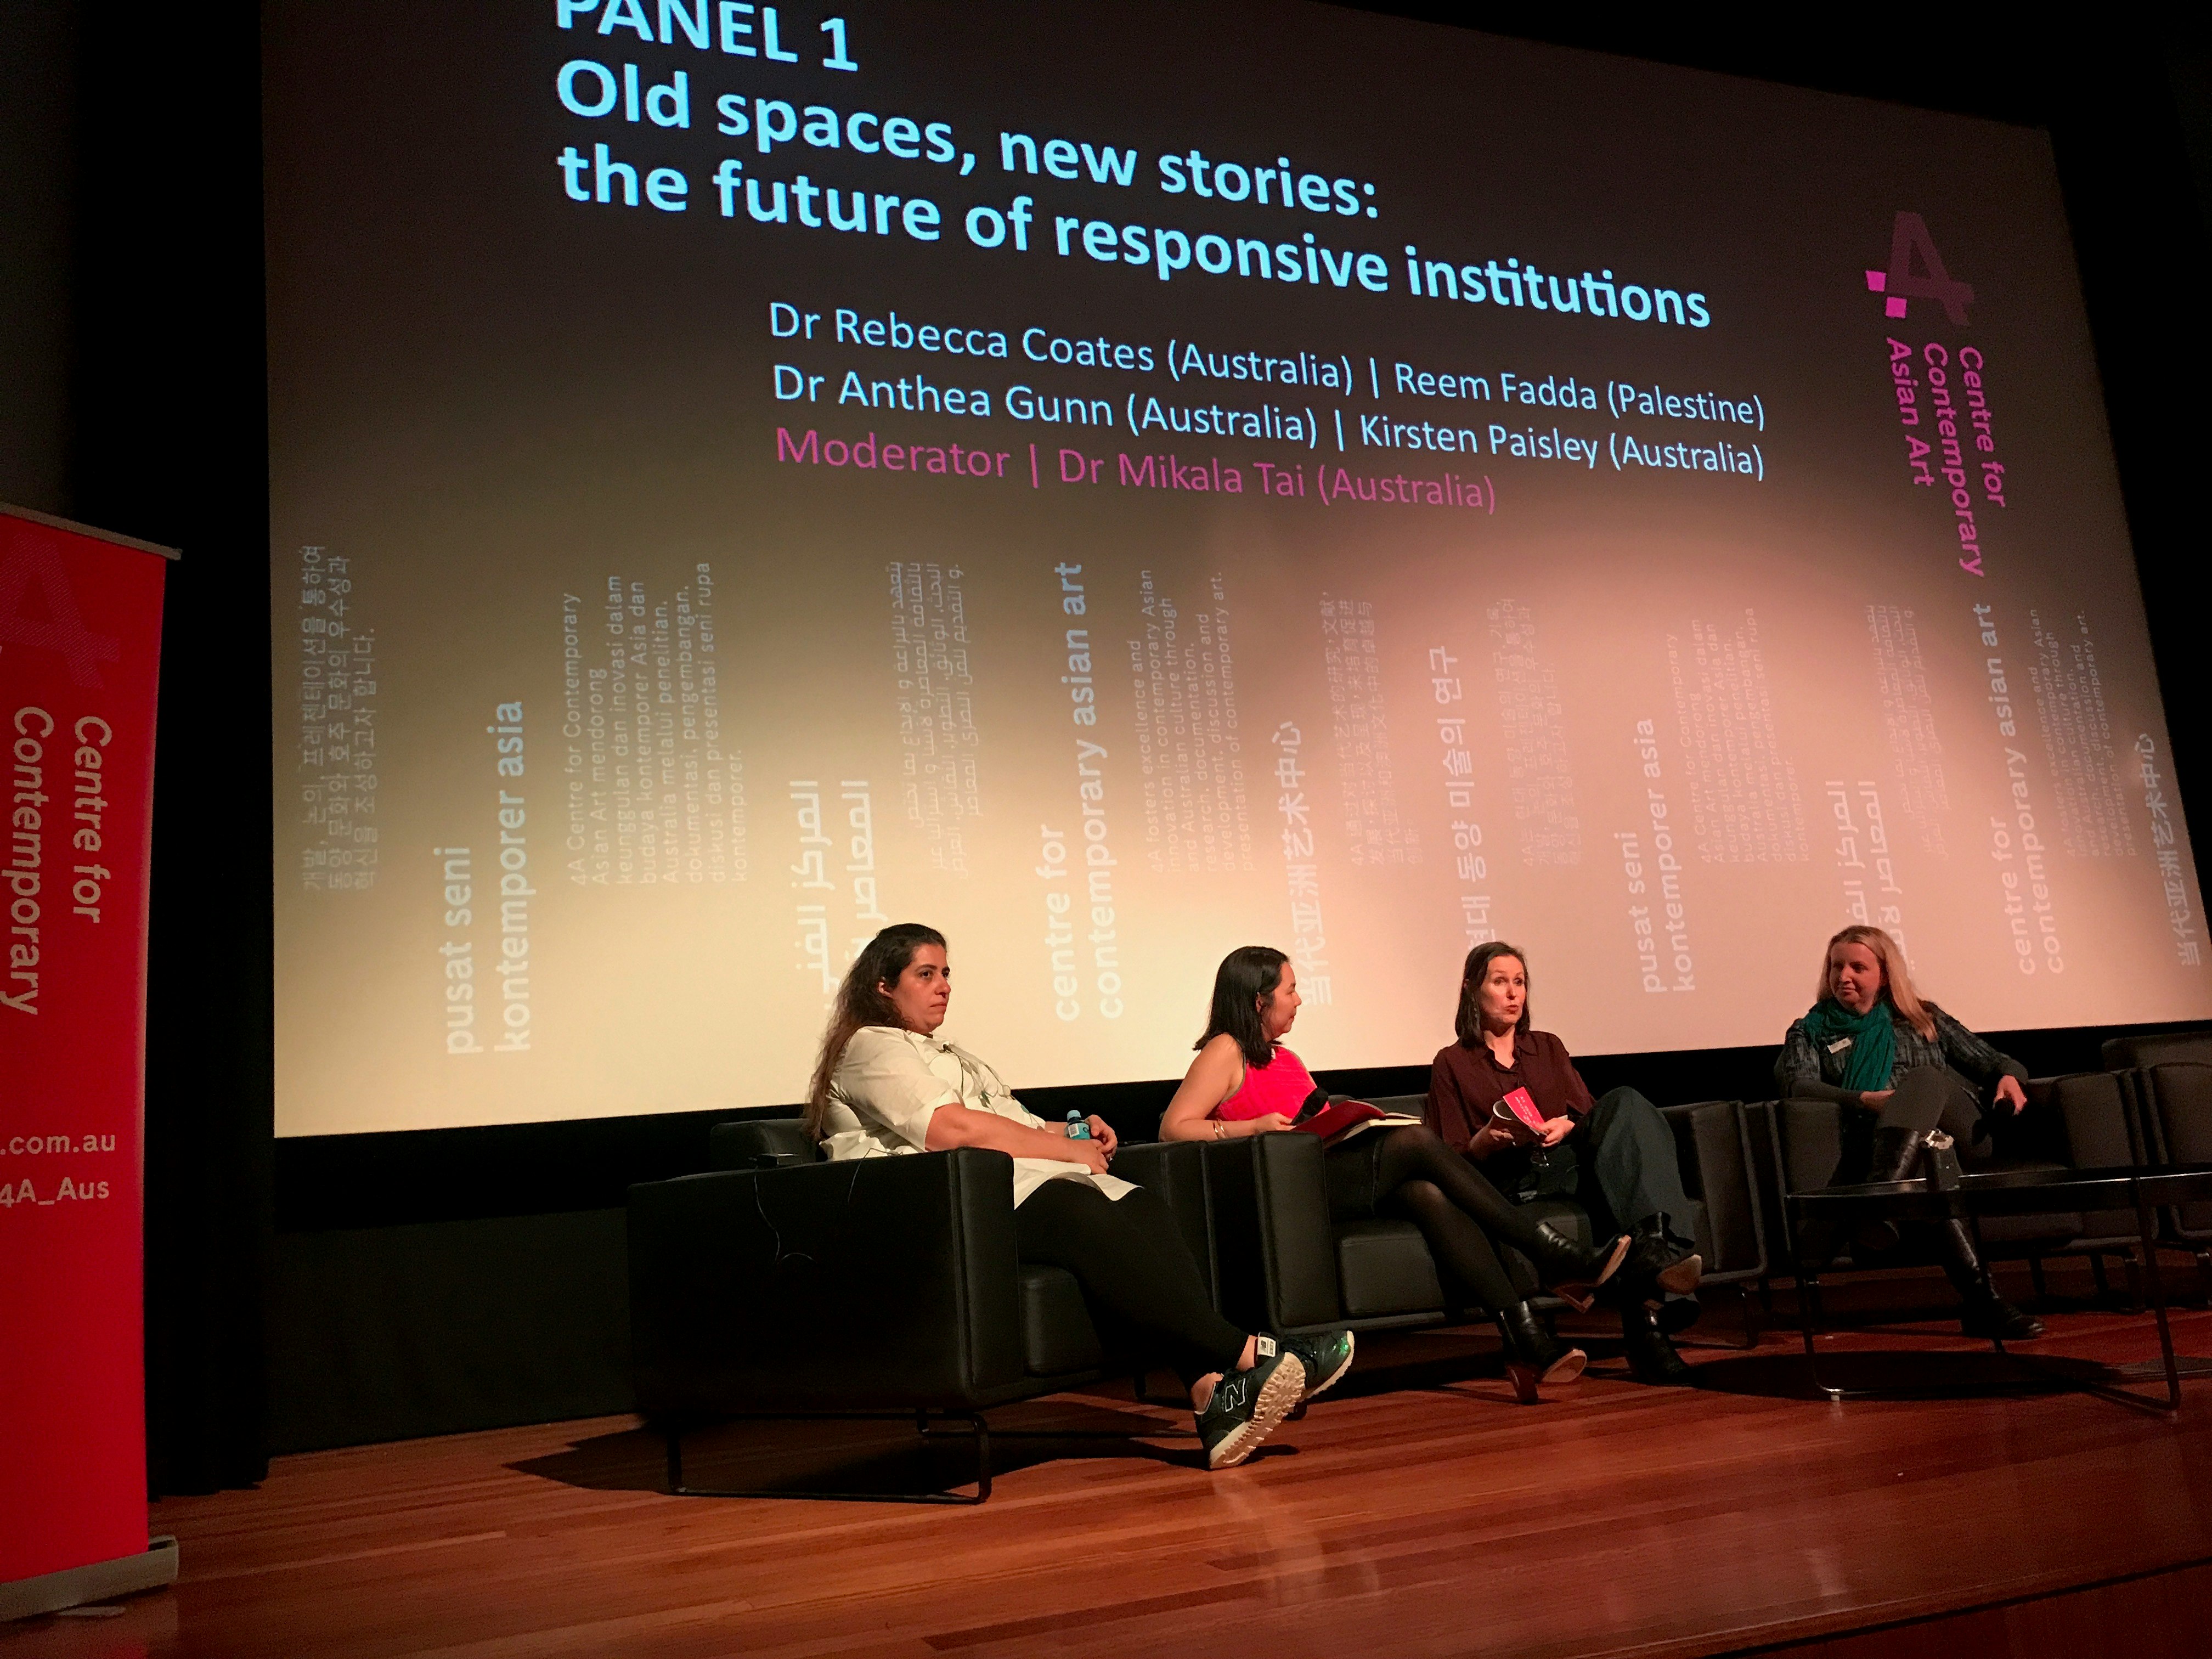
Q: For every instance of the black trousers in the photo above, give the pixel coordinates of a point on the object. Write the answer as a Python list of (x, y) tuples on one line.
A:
[(1620, 1165), (1144, 1290)]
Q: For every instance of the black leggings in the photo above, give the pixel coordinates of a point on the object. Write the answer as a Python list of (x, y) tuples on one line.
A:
[(1416, 1176), (1136, 1274)]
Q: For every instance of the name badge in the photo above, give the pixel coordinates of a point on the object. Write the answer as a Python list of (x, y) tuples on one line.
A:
[(1839, 1045)]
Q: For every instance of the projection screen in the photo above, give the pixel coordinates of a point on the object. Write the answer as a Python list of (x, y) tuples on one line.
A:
[(1119, 482)]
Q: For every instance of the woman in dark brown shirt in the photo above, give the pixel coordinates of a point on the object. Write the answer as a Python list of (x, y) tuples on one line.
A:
[(1614, 1155)]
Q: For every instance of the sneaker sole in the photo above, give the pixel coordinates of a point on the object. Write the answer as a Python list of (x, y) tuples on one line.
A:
[(1334, 1377), (1278, 1394)]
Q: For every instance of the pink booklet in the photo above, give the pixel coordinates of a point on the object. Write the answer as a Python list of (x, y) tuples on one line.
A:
[(1519, 1108)]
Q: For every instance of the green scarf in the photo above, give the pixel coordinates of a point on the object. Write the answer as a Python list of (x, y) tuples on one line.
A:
[(1872, 1056)]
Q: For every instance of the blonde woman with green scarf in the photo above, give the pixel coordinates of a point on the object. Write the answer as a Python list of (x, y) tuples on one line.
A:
[(1900, 1070)]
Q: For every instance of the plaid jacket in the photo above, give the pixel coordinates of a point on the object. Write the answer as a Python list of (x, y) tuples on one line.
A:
[(1806, 1071)]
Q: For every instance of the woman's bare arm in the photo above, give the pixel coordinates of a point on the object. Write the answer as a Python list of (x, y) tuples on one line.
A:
[(958, 1125), (1216, 1074)]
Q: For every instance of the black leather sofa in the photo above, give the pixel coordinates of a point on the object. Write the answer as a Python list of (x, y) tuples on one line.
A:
[(1285, 1266), (779, 1285)]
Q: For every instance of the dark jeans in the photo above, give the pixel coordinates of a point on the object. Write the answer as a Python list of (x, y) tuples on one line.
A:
[(1143, 1290)]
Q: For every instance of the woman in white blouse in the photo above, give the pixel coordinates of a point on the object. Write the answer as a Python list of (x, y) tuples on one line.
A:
[(886, 1086)]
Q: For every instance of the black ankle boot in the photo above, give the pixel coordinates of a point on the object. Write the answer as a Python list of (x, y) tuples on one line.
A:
[(1660, 1261), (1986, 1314), (1533, 1354), (1572, 1270), (1651, 1357)]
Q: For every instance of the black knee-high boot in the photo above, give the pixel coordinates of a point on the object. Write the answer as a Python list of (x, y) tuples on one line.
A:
[(1986, 1313)]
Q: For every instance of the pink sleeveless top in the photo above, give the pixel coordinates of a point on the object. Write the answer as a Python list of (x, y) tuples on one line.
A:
[(1281, 1085)]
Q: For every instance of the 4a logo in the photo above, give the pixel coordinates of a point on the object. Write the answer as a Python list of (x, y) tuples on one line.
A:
[(1909, 240)]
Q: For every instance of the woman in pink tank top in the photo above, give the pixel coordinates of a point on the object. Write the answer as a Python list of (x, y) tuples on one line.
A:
[(1245, 1082)]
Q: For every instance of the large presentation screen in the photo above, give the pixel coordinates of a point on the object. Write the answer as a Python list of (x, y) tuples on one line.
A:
[(1121, 481)]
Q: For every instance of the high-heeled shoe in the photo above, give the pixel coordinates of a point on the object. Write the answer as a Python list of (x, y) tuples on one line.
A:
[(1534, 1356), (1661, 1262), (1651, 1357), (1572, 1270)]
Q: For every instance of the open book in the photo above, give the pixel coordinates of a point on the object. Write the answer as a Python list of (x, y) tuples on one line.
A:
[(1331, 1119)]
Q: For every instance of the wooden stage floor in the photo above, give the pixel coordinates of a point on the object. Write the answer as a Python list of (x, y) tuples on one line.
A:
[(1414, 1511)]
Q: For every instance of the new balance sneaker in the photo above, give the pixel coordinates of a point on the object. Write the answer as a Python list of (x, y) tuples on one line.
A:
[(1247, 1405), (1326, 1357)]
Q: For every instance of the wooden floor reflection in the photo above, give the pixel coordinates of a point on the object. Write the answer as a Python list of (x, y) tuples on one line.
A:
[(1414, 1511)]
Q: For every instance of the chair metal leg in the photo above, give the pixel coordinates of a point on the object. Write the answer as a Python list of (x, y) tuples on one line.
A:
[(2035, 1278)]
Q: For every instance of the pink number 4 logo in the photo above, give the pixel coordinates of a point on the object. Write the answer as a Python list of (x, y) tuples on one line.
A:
[(1901, 282)]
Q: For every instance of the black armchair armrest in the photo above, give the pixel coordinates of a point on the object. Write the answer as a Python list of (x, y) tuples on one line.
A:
[(761, 1143), (1271, 1231), (881, 1283), (1176, 1170), (1714, 1146)]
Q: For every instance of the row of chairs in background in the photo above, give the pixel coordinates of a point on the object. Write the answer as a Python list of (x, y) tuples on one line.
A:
[(2152, 1105), (777, 1284)]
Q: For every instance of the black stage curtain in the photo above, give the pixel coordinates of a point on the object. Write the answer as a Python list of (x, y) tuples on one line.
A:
[(169, 443)]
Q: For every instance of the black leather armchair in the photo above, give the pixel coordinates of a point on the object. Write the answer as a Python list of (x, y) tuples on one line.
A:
[(783, 1285), (1285, 1267), (2093, 1123)]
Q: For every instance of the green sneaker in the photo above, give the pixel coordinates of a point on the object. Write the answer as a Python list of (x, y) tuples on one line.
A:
[(1247, 1405), (1326, 1357)]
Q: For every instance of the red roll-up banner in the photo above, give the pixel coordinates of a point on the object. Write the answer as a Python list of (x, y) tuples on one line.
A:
[(80, 648)]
